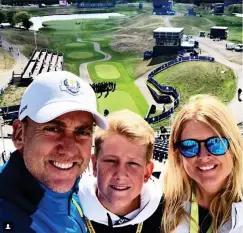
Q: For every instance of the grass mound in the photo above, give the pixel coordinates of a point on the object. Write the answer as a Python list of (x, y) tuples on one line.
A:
[(196, 77)]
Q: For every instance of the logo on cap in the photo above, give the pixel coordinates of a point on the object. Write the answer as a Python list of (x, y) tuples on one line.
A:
[(23, 109), (72, 86)]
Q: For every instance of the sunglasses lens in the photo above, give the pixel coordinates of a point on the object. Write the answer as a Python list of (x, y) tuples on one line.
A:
[(189, 148), (217, 146)]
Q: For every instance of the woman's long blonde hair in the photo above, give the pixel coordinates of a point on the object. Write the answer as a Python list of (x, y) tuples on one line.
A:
[(178, 186)]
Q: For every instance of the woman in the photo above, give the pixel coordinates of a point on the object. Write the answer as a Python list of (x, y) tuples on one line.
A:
[(203, 184)]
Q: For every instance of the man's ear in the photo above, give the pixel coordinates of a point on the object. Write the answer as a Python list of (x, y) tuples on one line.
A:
[(149, 170), (18, 134), (94, 163)]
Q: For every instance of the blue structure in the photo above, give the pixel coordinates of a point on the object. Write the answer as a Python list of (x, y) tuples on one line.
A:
[(140, 6), (147, 55), (191, 12), (230, 2), (167, 40), (96, 4), (168, 90), (163, 7), (218, 8)]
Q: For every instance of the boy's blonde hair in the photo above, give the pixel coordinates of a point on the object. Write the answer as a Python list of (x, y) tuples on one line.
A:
[(130, 125)]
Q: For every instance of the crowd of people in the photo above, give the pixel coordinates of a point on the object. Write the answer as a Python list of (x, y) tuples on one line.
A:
[(45, 190), (104, 87)]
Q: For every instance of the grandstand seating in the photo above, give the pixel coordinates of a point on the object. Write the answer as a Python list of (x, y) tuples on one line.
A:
[(43, 61), (96, 5), (161, 146)]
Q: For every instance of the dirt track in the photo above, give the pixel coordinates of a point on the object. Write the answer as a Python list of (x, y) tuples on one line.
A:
[(217, 50)]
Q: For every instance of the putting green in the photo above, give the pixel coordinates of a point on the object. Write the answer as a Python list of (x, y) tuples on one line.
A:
[(115, 101), (107, 71), (80, 55), (75, 45)]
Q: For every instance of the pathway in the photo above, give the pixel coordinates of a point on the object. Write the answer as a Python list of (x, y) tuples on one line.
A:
[(21, 62), (83, 68)]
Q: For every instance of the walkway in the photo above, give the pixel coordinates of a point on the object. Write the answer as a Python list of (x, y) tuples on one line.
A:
[(21, 62), (206, 45), (83, 68)]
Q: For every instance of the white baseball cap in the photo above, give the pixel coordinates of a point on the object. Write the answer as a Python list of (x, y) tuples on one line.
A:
[(53, 94)]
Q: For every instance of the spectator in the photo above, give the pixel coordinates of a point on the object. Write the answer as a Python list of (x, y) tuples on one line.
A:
[(123, 197), (203, 183), (53, 138)]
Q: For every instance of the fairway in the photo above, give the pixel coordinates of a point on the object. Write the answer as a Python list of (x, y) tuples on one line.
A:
[(116, 101), (75, 45), (107, 71), (80, 55)]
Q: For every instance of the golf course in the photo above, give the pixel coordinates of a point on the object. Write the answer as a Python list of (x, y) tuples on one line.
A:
[(125, 39)]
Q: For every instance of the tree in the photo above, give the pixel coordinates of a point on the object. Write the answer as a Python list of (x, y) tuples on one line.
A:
[(27, 24), (10, 17), (2, 16), (23, 18)]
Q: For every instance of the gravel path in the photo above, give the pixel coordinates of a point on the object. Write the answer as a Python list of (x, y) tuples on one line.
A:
[(83, 68), (217, 49)]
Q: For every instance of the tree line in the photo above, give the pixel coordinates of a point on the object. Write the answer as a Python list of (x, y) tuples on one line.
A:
[(21, 18)]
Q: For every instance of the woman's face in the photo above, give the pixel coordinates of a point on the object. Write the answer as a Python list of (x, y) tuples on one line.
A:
[(210, 172)]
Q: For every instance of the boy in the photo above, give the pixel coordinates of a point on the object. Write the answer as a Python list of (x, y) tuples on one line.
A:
[(123, 197)]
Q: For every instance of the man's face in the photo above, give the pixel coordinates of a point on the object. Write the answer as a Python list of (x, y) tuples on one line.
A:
[(121, 169), (56, 152)]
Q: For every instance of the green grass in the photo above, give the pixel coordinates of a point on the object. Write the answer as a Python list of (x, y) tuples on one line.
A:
[(62, 36), (128, 95), (75, 45), (80, 55), (191, 78), (116, 101), (107, 70), (73, 58), (7, 61)]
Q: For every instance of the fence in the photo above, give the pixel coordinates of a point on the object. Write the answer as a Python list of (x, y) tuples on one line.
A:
[(168, 89)]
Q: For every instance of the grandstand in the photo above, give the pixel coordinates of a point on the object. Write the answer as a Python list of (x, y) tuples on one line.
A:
[(163, 7), (96, 3), (41, 61), (167, 40), (231, 2), (161, 146), (27, 2)]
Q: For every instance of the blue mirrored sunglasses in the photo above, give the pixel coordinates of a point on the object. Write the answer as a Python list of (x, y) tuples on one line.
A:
[(215, 145)]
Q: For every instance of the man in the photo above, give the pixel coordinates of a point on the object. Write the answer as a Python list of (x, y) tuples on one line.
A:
[(53, 138), (123, 197)]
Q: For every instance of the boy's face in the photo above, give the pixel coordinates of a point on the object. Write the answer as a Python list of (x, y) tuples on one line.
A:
[(121, 170)]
